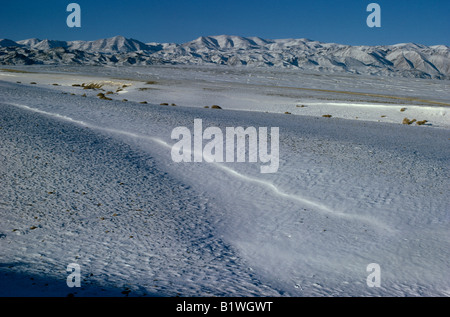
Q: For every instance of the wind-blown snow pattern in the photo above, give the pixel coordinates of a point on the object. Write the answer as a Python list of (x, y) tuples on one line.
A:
[(401, 60), (91, 181)]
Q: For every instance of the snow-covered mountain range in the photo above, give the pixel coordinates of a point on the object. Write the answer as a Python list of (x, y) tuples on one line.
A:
[(406, 60)]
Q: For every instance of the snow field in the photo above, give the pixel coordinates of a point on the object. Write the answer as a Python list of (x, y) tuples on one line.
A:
[(347, 193)]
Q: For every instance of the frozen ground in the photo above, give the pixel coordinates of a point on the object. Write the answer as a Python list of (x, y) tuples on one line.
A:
[(368, 98), (91, 182)]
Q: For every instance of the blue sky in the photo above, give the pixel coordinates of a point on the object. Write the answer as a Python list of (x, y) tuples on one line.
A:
[(339, 21)]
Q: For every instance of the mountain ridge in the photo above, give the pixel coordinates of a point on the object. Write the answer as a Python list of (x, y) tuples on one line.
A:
[(402, 59)]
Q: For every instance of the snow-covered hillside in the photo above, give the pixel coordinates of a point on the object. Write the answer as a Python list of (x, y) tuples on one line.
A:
[(90, 180), (406, 60)]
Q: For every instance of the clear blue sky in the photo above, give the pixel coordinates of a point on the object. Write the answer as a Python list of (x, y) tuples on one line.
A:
[(340, 21)]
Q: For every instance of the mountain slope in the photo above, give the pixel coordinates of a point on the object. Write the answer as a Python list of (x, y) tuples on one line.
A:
[(406, 59), (118, 44), (8, 43)]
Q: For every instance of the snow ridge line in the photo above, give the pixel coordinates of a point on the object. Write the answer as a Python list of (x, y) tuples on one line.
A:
[(317, 206)]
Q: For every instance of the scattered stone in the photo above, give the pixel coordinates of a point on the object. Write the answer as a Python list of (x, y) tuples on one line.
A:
[(421, 122), (407, 121)]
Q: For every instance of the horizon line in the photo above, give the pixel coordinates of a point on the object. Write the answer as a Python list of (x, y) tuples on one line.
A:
[(227, 35)]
